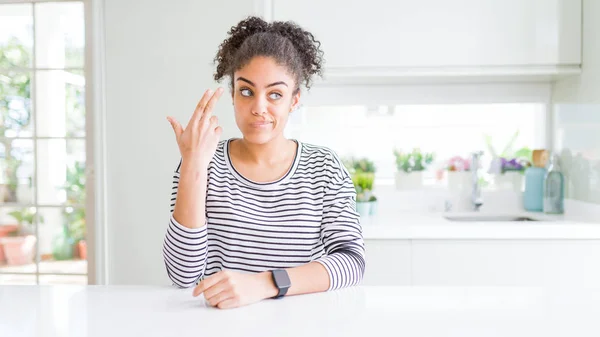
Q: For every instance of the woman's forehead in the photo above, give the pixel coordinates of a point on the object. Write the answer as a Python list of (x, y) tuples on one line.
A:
[(262, 71)]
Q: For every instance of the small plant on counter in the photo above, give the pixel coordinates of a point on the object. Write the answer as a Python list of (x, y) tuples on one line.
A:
[(356, 165), (508, 160), (414, 161), (362, 172), (458, 164), (363, 182), (514, 164)]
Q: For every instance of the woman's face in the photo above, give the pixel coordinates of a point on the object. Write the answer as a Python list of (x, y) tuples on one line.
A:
[(263, 97)]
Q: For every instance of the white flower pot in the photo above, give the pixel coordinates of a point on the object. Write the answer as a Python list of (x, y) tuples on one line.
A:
[(510, 180), (459, 191), (409, 181), (459, 181)]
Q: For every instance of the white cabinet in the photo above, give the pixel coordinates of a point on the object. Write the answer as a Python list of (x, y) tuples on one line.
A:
[(483, 262), (505, 262), (383, 36), (387, 262)]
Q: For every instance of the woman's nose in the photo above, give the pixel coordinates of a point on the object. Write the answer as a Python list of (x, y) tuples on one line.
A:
[(259, 107)]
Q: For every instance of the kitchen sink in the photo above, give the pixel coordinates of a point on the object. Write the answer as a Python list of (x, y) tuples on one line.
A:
[(481, 217)]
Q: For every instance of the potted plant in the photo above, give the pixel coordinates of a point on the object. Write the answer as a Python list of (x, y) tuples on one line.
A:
[(363, 183), (19, 245), (70, 242), (76, 231), (5, 230), (362, 172), (511, 173), (508, 166), (410, 167), (458, 173)]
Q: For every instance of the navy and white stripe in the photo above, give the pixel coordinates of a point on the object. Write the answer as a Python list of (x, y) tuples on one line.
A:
[(307, 215)]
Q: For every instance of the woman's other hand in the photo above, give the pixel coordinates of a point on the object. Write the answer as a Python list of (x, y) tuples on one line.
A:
[(229, 289)]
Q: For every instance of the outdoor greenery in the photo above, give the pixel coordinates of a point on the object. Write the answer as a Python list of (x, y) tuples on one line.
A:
[(15, 111), (16, 117)]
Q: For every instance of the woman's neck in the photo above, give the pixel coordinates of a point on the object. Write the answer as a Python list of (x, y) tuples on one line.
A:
[(269, 153)]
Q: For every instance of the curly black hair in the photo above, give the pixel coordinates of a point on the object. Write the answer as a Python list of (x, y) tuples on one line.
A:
[(286, 42)]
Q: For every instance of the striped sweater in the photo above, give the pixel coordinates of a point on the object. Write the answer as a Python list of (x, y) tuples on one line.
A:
[(307, 215)]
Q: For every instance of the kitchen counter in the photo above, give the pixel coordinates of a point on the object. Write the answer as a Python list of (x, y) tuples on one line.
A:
[(409, 226), (27, 311)]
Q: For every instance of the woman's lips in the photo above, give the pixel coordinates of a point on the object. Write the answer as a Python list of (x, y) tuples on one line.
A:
[(261, 125)]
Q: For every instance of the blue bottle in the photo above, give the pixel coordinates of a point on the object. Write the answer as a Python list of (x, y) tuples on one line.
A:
[(533, 196), (554, 188)]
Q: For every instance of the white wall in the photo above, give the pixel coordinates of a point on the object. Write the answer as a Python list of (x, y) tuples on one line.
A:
[(158, 62), (577, 115)]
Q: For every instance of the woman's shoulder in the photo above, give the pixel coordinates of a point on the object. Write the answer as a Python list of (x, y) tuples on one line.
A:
[(315, 154)]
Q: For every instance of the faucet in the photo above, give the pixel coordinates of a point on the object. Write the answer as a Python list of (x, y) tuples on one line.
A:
[(476, 199)]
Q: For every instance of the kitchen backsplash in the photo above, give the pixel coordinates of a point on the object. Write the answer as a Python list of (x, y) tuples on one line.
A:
[(577, 141)]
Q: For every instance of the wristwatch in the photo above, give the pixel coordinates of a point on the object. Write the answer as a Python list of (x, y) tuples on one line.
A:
[(282, 281)]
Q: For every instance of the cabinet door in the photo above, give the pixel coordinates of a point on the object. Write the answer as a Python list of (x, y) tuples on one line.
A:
[(440, 33), (388, 262), (506, 262)]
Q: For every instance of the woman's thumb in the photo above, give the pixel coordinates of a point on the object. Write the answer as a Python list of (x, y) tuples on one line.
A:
[(176, 126)]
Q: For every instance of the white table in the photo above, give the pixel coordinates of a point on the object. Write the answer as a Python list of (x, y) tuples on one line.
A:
[(360, 311)]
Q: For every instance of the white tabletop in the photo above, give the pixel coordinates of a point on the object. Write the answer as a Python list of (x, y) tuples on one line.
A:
[(360, 311)]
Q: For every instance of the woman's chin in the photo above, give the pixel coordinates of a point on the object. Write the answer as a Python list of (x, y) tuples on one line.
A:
[(258, 137)]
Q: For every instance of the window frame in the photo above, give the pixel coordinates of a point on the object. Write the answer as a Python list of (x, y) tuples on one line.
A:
[(94, 138)]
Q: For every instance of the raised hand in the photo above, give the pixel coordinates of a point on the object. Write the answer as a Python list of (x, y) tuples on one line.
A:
[(198, 140)]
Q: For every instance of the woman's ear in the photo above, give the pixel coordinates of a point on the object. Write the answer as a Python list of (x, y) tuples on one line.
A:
[(295, 101)]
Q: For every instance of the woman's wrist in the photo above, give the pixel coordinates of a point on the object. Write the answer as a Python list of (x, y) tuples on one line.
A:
[(268, 287), (194, 165)]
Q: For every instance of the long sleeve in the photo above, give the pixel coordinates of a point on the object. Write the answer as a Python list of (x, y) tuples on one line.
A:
[(341, 233), (184, 249)]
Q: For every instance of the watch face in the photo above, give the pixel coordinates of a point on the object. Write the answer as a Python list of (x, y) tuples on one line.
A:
[(282, 279)]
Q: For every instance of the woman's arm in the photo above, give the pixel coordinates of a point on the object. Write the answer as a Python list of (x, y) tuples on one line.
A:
[(185, 243), (185, 246)]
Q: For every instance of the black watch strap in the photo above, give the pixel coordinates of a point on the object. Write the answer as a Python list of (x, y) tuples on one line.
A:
[(282, 282)]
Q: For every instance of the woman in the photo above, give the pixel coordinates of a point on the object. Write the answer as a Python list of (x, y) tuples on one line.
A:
[(261, 216)]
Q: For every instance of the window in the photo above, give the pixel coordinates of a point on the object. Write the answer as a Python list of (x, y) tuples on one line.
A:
[(42, 143), (447, 130)]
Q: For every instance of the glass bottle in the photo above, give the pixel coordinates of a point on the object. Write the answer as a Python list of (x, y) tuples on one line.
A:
[(554, 186)]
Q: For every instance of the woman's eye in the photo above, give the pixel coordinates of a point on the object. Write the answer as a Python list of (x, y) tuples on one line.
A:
[(275, 95), (246, 92)]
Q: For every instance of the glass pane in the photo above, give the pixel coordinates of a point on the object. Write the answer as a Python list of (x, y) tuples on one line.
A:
[(59, 31), (16, 171), (15, 279), (61, 171), (17, 240), (16, 36), (60, 103), (62, 240), (446, 130), (15, 104), (63, 279)]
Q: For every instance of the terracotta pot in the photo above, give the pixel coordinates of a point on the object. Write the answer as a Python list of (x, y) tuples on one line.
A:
[(82, 249), (19, 250), (4, 231)]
